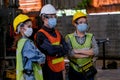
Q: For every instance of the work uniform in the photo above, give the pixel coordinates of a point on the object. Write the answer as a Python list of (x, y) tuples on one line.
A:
[(83, 43), (27, 54), (56, 51)]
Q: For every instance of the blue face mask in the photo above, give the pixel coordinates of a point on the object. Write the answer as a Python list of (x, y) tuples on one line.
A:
[(82, 27), (52, 22)]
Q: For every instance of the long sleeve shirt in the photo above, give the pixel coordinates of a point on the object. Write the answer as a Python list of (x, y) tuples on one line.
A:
[(45, 46), (31, 54), (81, 40)]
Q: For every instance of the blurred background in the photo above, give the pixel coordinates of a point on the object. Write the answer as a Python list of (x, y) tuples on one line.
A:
[(103, 20)]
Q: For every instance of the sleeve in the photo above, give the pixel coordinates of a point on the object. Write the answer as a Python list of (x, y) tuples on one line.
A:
[(64, 48), (70, 51), (31, 54), (45, 46), (95, 46)]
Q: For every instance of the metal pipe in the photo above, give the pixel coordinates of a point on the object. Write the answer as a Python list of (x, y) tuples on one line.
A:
[(2, 4), (104, 65), (17, 3), (49, 1)]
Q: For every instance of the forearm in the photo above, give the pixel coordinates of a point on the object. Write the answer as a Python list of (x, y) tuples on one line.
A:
[(77, 55), (84, 52), (65, 47)]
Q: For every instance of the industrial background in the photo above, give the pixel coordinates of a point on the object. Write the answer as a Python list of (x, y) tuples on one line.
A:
[(106, 27)]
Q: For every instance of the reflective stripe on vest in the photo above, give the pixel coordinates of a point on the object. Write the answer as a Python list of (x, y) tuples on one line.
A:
[(57, 60), (76, 45), (19, 67), (55, 64)]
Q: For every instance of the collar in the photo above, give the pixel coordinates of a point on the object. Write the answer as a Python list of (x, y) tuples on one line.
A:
[(75, 34), (48, 29)]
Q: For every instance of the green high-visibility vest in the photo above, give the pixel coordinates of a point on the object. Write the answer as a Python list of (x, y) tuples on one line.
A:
[(76, 45), (37, 70)]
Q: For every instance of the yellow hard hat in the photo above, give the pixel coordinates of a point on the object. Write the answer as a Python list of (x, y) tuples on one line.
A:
[(78, 15), (19, 19)]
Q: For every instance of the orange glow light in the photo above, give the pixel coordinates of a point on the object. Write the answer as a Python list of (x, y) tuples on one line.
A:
[(30, 5), (98, 3)]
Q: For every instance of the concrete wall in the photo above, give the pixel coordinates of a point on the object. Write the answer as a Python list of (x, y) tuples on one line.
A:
[(107, 26), (102, 26)]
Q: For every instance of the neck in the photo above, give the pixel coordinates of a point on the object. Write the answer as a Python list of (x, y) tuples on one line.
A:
[(48, 29), (80, 34)]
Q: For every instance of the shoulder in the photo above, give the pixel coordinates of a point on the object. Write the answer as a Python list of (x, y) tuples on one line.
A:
[(28, 42), (68, 36), (91, 34), (40, 34)]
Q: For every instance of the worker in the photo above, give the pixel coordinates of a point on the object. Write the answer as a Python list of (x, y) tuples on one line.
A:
[(82, 49), (28, 57), (50, 41)]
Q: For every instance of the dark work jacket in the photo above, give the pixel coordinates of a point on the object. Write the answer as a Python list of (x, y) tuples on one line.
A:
[(47, 48)]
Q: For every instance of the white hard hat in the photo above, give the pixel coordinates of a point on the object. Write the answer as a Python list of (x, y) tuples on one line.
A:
[(48, 9)]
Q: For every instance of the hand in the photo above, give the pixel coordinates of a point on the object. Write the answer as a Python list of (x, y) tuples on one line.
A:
[(80, 50), (75, 50)]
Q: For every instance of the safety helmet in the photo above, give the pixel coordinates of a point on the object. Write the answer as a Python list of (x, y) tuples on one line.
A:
[(48, 9), (78, 15), (19, 19)]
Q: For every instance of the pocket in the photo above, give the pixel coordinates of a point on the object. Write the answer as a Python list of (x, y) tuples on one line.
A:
[(90, 72)]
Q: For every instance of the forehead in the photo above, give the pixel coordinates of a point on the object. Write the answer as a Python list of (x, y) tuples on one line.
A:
[(28, 22), (81, 19)]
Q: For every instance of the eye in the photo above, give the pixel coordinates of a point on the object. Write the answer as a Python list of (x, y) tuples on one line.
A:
[(50, 16), (29, 26), (53, 16), (82, 22)]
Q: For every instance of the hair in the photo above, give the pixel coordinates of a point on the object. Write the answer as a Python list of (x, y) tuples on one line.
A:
[(16, 38), (18, 35), (79, 18), (22, 24)]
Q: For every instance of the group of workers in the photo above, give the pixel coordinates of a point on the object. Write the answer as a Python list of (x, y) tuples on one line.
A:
[(43, 58)]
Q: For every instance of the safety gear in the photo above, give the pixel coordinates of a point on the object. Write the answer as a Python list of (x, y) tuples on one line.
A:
[(78, 15), (52, 22), (28, 32), (82, 27), (19, 60), (75, 45), (37, 70), (48, 9), (56, 64), (19, 19)]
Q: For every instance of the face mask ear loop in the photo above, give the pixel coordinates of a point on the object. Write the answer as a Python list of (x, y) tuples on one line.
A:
[(18, 28), (76, 22)]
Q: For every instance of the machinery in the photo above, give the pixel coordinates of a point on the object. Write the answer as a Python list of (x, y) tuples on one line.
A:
[(8, 10)]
